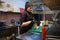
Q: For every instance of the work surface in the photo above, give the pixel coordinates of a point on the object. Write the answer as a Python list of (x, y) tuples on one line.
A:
[(38, 30)]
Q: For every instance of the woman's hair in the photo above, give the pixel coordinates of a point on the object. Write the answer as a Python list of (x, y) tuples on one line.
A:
[(27, 4)]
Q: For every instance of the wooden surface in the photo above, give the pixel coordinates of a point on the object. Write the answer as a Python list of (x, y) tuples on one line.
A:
[(53, 4)]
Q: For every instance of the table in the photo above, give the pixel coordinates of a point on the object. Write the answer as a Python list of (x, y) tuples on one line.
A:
[(33, 31), (39, 30)]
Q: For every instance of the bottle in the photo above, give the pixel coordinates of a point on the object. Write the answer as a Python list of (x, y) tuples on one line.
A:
[(46, 23), (43, 32), (7, 38)]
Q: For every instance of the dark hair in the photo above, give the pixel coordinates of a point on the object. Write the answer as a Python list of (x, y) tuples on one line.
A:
[(27, 4)]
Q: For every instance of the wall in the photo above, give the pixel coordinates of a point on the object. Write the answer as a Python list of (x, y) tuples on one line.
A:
[(7, 16)]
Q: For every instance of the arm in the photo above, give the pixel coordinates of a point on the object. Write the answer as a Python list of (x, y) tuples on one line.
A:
[(22, 20), (25, 23)]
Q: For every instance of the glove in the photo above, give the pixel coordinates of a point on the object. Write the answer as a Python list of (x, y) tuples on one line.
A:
[(32, 21)]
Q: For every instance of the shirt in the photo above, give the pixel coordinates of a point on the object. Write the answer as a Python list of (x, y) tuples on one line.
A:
[(26, 16)]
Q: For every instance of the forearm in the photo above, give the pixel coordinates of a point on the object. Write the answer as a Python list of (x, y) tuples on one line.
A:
[(25, 23)]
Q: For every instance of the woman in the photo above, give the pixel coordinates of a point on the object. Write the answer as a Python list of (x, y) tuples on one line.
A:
[(26, 18), (27, 22)]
